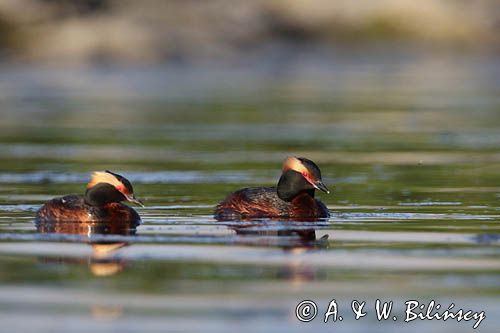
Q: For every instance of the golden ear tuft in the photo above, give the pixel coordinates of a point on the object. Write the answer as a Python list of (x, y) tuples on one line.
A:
[(103, 177), (293, 163)]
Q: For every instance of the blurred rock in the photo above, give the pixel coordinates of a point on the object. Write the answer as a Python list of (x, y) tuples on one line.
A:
[(152, 31)]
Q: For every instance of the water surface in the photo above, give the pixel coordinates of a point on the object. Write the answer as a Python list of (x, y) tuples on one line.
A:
[(409, 147)]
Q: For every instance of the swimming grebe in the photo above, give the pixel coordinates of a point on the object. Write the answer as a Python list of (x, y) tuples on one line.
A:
[(293, 198), (101, 202)]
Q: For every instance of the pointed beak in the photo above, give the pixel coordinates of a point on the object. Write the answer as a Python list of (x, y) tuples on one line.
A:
[(133, 199), (320, 186)]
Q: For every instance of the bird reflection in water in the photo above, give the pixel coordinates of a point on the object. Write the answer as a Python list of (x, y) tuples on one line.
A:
[(102, 261), (293, 240)]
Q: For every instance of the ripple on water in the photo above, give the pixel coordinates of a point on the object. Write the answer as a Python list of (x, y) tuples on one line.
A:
[(264, 256), (352, 216), (151, 177), (431, 203)]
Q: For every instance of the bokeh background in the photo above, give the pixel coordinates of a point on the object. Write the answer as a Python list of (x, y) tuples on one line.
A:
[(397, 101), (151, 32), (190, 79), (177, 81)]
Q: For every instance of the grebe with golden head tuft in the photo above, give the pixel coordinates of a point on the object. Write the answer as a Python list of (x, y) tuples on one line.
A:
[(292, 198), (101, 202)]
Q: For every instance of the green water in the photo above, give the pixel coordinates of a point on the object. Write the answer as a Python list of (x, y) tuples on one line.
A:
[(411, 150)]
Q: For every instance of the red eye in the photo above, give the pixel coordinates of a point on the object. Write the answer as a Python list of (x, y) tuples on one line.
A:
[(307, 177)]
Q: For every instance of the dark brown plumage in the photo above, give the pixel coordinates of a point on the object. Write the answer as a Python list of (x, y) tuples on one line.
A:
[(72, 208), (101, 203), (293, 198)]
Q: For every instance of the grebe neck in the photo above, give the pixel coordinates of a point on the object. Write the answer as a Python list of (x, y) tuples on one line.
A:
[(291, 184), (102, 194)]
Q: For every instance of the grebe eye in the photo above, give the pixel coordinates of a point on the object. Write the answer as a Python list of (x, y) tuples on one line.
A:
[(304, 174)]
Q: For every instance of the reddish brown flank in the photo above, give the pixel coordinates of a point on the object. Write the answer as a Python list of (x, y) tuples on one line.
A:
[(304, 206), (74, 209), (56, 210), (237, 206)]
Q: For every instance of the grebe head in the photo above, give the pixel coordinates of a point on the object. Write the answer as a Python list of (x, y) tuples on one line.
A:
[(299, 175), (106, 187)]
